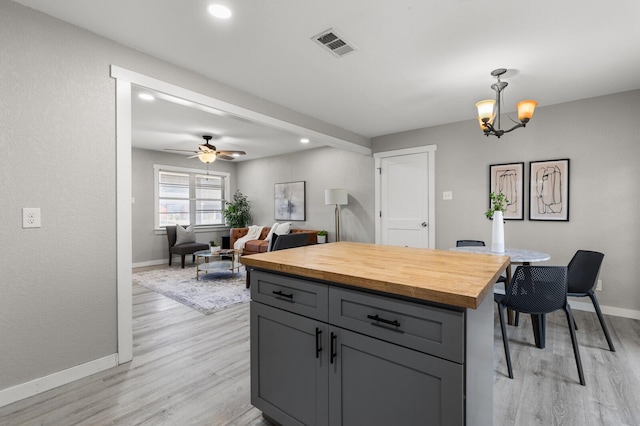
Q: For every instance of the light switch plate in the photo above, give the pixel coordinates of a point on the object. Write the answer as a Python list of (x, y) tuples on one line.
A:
[(31, 217), (447, 195)]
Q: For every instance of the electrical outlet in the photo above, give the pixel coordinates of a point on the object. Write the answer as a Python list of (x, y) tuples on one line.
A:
[(599, 285), (31, 217), (447, 195)]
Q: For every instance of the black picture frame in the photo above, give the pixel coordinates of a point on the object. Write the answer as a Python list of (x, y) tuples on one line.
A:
[(289, 201), (508, 178), (549, 190)]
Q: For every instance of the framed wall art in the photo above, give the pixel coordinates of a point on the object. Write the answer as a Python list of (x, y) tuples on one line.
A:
[(549, 190), (509, 180), (289, 201)]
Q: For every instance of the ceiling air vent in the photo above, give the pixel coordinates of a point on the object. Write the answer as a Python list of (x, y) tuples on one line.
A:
[(333, 42)]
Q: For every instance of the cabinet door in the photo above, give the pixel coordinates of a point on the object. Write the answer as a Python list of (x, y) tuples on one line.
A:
[(289, 381), (372, 382)]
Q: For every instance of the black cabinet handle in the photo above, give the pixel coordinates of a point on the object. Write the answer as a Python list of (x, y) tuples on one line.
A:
[(318, 348), (333, 347), (394, 323), (281, 294)]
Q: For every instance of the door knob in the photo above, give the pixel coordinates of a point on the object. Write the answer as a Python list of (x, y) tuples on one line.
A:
[(424, 224)]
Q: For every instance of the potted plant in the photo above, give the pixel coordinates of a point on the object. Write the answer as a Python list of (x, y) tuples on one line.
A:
[(498, 207), (322, 237), (237, 213), (213, 246)]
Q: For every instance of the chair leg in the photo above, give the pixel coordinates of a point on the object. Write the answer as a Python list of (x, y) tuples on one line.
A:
[(505, 340), (170, 256), (517, 320), (574, 342), (596, 305), (183, 261)]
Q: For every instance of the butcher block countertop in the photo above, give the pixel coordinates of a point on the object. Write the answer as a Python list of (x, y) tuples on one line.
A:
[(442, 276)]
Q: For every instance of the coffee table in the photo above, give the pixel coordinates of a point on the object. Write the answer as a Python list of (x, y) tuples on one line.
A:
[(221, 260)]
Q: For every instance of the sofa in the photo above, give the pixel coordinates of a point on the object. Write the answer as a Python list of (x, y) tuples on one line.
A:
[(260, 245)]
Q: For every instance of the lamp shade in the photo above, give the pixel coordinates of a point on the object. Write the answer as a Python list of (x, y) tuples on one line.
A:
[(486, 110), (336, 196), (525, 110)]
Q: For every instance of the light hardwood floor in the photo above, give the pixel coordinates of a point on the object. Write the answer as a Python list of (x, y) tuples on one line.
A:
[(193, 369)]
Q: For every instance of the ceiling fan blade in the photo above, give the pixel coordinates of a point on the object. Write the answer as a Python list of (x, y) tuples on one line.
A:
[(194, 156), (232, 152), (223, 157), (181, 150)]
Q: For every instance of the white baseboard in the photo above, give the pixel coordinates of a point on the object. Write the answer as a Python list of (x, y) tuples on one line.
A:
[(42, 384), (607, 310), (151, 263)]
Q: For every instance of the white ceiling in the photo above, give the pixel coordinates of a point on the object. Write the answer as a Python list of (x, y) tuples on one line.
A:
[(419, 63)]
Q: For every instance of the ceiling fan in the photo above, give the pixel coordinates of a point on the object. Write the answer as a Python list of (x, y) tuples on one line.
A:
[(208, 153)]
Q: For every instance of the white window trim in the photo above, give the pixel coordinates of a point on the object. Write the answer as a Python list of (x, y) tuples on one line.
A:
[(156, 184)]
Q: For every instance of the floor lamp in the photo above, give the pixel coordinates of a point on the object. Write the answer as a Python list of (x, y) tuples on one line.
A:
[(338, 197)]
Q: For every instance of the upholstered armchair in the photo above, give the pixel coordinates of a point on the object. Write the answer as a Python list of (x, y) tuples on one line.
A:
[(184, 245)]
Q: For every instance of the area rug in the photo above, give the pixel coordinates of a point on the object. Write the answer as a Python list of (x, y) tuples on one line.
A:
[(213, 292)]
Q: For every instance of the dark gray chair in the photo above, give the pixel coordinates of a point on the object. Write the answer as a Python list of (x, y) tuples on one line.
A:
[(182, 249), (583, 276), (469, 243), (287, 241), (537, 290)]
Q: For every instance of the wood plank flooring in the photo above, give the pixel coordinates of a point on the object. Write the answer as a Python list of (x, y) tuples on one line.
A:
[(193, 369)]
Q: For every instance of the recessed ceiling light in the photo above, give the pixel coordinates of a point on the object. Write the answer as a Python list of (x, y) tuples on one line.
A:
[(220, 11), (304, 140), (146, 97)]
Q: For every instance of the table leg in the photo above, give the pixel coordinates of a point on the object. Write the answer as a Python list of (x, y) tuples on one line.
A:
[(510, 314), (539, 324)]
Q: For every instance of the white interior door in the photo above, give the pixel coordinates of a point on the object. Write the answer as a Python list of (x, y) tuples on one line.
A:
[(404, 198)]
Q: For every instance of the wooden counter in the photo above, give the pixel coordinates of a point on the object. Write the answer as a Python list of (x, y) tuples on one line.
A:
[(452, 278)]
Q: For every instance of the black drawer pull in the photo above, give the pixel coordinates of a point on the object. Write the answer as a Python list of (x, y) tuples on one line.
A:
[(334, 354), (318, 348), (281, 294), (394, 323)]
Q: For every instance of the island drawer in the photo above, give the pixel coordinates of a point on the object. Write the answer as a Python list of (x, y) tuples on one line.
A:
[(290, 294), (425, 328)]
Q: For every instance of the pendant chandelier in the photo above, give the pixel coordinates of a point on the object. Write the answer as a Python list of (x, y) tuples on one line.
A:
[(489, 109)]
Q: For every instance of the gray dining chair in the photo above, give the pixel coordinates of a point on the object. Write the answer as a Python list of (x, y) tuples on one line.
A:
[(537, 290), (583, 276)]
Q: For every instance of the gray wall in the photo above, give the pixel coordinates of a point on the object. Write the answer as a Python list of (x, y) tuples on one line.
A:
[(57, 138), (600, 136), (321, 169), (150, 247)]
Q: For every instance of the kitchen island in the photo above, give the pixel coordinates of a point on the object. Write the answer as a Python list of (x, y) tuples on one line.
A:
[(352, 333)]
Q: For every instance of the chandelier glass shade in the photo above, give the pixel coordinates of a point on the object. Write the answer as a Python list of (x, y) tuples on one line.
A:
[(489, 109)]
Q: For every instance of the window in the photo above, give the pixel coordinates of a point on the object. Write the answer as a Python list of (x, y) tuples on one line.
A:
[(189, 196)]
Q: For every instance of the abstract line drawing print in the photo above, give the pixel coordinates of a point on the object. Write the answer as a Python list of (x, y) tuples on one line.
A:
[(507, 182), (508, 179), (549, 190)]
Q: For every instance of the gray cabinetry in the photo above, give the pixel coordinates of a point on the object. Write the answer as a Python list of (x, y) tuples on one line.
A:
[(353, 359)]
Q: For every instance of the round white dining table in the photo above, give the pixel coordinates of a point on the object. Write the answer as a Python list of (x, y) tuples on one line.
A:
[(522, 257)]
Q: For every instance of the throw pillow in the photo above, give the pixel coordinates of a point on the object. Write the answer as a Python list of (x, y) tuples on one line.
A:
[(185, 235), (284, 228), (271, 231)]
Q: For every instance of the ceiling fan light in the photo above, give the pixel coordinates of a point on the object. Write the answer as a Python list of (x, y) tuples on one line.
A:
[(207, 157), (486, 111), (525, 110)]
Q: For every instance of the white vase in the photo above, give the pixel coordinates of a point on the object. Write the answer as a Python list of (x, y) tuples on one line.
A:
[(497, 233), (322, 239)]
